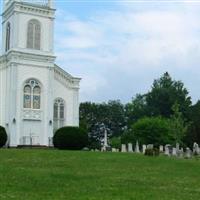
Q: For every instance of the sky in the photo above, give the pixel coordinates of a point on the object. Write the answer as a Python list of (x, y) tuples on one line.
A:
[(119, 47)]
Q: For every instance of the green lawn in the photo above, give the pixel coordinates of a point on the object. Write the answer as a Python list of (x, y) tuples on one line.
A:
[(52, 174)]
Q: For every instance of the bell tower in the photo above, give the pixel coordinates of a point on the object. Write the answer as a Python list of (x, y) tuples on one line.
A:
[(28, 26), (27, 58)]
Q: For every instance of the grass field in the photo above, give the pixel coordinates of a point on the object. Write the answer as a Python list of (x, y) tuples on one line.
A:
[(52, 174)]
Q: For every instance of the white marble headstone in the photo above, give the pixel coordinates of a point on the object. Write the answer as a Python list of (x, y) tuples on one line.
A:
[(130, 147), (144, 147), (196, 149), (137, 150), (188, 153), (123, 148), (174, 152), (161, 148), (167, 151)]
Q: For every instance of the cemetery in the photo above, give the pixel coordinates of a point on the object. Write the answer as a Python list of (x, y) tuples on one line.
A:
[(53, 147)]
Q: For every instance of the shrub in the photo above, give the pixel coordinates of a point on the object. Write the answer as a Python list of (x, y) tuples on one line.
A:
[(152, 152), (71, 138), (3, 136), (152, 130), (115, 142)]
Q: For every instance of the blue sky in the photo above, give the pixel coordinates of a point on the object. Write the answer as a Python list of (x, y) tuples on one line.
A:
[(119, 47)]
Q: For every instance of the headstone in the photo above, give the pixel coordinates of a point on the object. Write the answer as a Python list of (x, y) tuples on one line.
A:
[(177, 147), (180, 153), (167, 150), (123, 148), (188, 153), (149, 146), (130, 147), (174, 152), (170, 148), (114, 150), (196, 150), (144, 148), (137, 150), (161, 148), (105, 141)]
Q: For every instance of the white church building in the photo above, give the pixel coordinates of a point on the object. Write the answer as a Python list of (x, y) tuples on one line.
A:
[(36, 96)]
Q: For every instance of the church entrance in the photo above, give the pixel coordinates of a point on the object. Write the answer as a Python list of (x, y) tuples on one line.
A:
[(31, 133)]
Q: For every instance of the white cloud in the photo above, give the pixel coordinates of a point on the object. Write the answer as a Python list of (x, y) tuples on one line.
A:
[(132, 43), (119, 52)]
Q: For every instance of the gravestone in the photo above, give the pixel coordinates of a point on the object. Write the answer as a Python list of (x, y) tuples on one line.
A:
[(137, 150), (123, 148), (188, 153), (196, 150), (149, 146), (177, 147), (174, 152), (144, 147), (130, 147), (167, 150), (180, 153), (114, 150), (161, 148)]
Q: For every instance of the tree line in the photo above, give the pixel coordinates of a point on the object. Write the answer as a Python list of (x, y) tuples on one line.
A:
[(163, 115)]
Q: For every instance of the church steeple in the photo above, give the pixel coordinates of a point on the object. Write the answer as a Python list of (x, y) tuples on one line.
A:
[(32, 22)]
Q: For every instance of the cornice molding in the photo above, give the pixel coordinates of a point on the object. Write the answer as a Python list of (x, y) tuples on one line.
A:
[(14, 56), (65, 78), (28, 8)]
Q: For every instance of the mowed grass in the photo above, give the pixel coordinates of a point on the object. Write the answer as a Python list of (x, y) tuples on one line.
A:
[(70, 175)]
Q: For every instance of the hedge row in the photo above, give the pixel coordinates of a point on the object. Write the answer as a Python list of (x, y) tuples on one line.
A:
[(3, 136)]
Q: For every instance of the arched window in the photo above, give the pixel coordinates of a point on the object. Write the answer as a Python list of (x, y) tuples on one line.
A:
[(59, 113), (8, 36), (34, 34), (32, 94)]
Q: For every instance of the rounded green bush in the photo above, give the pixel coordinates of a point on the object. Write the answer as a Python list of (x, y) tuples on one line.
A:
[(3, 136), (71, 138)]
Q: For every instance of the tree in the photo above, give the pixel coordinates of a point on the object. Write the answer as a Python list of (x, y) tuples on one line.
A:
[(164, 94), (152, 130), (111, 115), (136, 109), (193, 134), (178, 125)]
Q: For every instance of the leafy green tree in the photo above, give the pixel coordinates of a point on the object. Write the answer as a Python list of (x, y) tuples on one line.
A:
[(178, 125), (128, 137), (111, 115), (136, 109), (152, 130), (193, 134), (115, 142), (164, 94)]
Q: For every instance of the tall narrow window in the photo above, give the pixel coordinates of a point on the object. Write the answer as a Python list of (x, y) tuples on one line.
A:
[(59, 113), (8, 36), (27, 96), (32, 94), (34, 34), (36, 97)]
